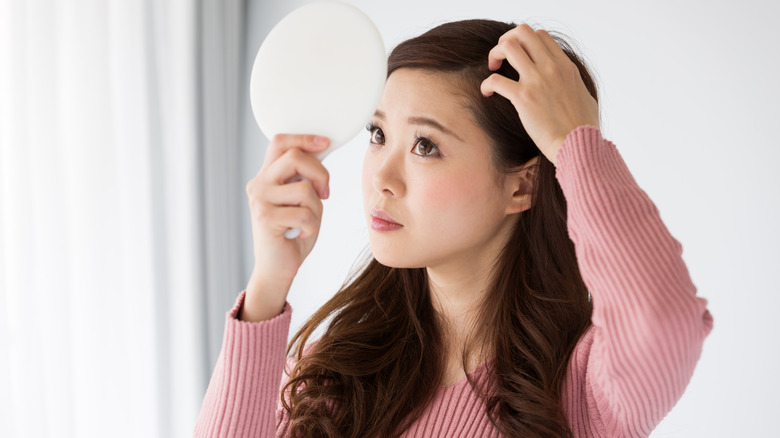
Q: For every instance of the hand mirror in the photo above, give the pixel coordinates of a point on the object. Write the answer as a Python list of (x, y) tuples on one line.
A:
[(321, 70)]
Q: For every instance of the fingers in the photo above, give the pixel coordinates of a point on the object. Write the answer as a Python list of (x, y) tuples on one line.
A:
[(521, 39), (299, 194), (283, 219), (297, 162), (281, 143), (279, 201), (499, 84), (552, 46), (533, 54), (512, 51), (281, 207)]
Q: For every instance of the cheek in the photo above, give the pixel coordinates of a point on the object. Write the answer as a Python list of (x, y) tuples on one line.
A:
[(451, 195), (365, 179), (466, 204)]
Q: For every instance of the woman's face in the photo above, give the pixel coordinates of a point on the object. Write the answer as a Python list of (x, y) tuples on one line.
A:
[(428, 167)]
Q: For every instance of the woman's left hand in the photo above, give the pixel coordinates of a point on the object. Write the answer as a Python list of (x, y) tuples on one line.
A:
[(550, 96)]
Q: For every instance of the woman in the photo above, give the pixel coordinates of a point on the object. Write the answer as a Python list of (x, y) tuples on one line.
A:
[(495, 209)]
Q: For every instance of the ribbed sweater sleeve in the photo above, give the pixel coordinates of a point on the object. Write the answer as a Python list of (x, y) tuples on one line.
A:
[(242, 396), (648, 324)]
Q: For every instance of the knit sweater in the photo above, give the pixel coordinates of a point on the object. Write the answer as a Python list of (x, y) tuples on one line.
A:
[(627, 370)]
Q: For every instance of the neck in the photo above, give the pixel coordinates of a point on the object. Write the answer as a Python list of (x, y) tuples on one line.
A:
[(459, 282), (456, 296), (458, 287), (456, 293)]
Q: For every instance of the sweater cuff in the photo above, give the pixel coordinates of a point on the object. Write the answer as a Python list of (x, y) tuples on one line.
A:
[(232, 314), (258, 341), (577, 139)]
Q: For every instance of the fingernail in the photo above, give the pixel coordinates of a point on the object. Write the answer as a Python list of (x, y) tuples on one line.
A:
[(326, 193), (320, 141)]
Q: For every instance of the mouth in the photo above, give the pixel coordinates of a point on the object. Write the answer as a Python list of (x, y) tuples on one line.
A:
[(381, 221), (381, 215)]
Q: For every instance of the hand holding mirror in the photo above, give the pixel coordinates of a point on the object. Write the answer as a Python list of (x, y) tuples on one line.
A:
[(321, 70)]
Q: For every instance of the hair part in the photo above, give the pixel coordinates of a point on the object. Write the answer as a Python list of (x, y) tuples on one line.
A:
[(381, 358)]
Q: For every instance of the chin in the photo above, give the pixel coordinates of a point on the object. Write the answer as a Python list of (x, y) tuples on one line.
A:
[(394, 258), (390, 262)]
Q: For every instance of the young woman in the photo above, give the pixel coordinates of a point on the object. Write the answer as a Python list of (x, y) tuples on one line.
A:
[(520, 282)]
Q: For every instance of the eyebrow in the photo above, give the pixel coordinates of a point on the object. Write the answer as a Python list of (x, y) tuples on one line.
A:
[(417, 120)]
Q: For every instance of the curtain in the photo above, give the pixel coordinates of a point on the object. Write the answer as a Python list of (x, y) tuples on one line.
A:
[(119, 252)]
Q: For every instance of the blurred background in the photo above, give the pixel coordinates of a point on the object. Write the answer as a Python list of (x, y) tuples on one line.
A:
[(127, 139)]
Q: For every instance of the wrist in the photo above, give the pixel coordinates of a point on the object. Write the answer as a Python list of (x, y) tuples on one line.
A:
[(265, 298)]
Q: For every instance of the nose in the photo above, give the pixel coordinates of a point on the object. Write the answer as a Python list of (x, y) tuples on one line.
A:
[(388, 177)]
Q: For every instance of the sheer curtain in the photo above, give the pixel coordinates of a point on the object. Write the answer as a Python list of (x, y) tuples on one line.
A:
[(117, 238)]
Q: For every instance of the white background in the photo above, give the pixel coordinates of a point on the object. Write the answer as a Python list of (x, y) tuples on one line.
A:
[(689, 94)]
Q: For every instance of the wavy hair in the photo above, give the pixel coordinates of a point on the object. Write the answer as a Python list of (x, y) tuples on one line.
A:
[(381, 359)]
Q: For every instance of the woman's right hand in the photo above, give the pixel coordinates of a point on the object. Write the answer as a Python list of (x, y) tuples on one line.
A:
[(277, 206)]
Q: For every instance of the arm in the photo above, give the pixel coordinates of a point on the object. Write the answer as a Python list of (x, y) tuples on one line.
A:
[(241, 398), (648, 323)]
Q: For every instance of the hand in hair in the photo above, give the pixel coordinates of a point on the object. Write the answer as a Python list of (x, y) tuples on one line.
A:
[(550, 96)]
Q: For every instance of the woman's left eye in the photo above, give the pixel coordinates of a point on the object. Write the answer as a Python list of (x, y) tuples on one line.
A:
[(425, 148)]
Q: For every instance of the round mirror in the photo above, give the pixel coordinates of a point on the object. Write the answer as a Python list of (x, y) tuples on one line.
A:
[(321, 70)]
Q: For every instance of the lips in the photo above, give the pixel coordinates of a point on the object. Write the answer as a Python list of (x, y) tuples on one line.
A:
[(379, 214)]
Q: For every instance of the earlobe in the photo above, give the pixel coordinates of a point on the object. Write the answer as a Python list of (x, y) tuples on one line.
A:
[(521, 186), (520, 200)]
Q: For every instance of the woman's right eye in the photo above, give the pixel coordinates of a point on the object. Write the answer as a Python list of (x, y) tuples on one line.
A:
[(375, 134)]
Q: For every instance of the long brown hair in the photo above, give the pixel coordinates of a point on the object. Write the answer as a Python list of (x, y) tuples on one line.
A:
[(381, 359)]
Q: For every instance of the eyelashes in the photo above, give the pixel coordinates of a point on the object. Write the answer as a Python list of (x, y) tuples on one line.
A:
[(370, 127), (429, 150)]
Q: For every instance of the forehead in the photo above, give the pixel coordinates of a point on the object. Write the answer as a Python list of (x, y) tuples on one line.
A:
[(411, 92)]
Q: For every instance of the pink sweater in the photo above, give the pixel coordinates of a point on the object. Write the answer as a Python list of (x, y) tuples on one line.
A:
[(627, 372)]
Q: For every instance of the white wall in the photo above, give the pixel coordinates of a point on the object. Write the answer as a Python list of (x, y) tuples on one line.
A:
[(690, 97)]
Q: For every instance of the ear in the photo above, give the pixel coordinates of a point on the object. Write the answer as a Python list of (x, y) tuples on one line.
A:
[(519, 187)]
